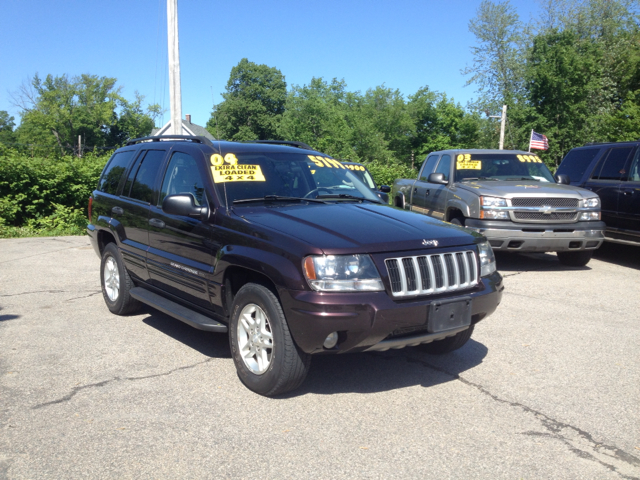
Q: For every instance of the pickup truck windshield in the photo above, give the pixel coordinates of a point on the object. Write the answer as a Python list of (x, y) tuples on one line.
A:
[(499, 166), (244, 176)]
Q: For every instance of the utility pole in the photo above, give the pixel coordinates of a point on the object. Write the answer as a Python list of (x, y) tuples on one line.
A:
[(175, 93), (79, 146), (503, 120)]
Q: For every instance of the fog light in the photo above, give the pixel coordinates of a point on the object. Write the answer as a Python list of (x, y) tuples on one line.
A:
[(331, 340)]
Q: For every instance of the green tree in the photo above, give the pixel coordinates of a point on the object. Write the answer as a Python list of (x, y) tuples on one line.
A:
[(6, 128), (317, 115), (253, 105)]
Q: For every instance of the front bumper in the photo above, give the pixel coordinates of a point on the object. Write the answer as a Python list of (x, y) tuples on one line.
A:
[(529, 237), (373, 320)]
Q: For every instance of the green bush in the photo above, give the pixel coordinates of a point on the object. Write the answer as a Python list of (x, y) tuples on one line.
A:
[(46, 195), (386, 173)]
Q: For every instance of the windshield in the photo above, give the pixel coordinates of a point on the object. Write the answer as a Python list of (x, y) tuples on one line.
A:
[(363, 174), (501, 166), (245, 176)]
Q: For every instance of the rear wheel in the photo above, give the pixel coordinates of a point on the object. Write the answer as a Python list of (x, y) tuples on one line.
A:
[(575, 259), (116, 282), (267, 359), (448, 344)]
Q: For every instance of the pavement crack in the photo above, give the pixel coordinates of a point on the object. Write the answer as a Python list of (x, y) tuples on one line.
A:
[(31, 293), (98, 292), (579, 442), (76, 390)]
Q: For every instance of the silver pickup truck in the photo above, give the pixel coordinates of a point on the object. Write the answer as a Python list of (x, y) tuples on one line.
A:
[(510, 197)]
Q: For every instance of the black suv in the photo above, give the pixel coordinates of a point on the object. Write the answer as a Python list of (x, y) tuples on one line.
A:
[(286, 249), (612, 170)]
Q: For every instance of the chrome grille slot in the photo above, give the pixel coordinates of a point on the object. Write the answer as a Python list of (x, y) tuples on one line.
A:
[(542, 201), (431, 274), (546, 216)]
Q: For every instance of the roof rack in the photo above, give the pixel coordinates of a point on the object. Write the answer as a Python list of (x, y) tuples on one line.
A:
[(282, 142), (160, 138), (609, 143)]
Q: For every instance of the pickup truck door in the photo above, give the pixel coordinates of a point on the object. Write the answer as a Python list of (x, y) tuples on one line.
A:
[(421, 186), (436, 195), (607, 180)]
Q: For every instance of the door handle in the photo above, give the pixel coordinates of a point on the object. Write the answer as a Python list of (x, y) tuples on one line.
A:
[(117, 211), (627, 192), (415, 190), (427, 193), (155, 222)]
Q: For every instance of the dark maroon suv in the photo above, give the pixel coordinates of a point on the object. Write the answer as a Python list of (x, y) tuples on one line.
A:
[(287, 250)]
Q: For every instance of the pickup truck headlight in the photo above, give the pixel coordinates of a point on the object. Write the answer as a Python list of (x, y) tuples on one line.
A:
[(342, 273), (487, 203), (487, 259), (588, 216), (591, 202)]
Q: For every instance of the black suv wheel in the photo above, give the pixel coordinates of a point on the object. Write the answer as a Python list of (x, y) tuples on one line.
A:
[(116, 282)]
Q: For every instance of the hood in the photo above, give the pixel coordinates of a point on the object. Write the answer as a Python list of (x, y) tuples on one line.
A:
[(356, 228), (524, 188)]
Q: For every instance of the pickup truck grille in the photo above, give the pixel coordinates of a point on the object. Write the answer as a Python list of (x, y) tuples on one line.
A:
[(431, 274), (542, 201), (546, 216)]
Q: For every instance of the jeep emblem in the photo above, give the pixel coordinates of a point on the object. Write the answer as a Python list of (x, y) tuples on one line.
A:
[(430, 243)]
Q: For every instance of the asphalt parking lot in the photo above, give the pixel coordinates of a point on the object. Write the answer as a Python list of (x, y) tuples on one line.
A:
[(548, 387)]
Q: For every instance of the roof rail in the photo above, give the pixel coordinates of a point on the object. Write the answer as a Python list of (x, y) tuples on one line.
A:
[(160, 138), (282, 142)]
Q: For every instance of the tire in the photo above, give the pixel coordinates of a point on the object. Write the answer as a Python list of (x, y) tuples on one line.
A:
[(116, 283), (448, 344), (267, 359), (457, 221), (575, 259)]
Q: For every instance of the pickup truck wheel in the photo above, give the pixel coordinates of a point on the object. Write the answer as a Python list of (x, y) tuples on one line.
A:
[(448, 344), (575, 259), (457, 221), (267, 359), (116, 282)]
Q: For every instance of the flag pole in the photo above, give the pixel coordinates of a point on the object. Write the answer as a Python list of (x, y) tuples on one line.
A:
[(530, 137)]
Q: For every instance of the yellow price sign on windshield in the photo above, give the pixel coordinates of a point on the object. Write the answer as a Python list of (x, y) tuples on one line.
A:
[(464, 162)]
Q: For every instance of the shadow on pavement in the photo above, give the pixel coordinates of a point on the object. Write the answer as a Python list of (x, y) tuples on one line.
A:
[(383, 371), (618, 254), (532, 262), (4, 318), (215, 345)]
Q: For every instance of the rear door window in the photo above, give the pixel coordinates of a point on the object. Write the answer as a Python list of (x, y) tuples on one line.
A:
[(144, 181), (576, 163), (613, 163), (114, 171)]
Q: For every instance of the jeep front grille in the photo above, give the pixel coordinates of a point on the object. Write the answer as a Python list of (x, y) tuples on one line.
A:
[(430, 274), (546, 216), (542, 201)]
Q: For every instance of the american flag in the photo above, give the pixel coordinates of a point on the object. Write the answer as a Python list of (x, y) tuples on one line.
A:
[(538, 141)]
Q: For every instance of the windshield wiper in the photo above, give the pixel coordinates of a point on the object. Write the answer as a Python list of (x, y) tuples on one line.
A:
[(347, 196), (473, 179), (277, 198)]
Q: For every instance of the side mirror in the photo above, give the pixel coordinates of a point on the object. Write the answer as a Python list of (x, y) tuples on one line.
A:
[(385, 188), (184, 205), (437, 178), (563, 179)]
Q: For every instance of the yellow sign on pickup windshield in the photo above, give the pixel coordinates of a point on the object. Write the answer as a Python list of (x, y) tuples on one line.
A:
[(464, 162)]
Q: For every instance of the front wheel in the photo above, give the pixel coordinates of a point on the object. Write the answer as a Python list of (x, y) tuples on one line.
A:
[(575, 259), (449, 344), (267, 359), (457, 221)]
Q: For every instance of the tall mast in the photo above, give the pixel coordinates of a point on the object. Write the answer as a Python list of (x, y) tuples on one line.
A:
[(175, 92)]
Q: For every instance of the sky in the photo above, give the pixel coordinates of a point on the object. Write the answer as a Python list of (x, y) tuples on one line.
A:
[(403, 44)]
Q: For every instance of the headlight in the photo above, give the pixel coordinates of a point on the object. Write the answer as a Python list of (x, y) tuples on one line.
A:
[(494, 215), (592, 202), (487, 259), (493, 202), (342, 273), (588, 216)]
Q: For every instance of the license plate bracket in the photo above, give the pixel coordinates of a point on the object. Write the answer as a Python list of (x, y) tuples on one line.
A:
[(447, 314)]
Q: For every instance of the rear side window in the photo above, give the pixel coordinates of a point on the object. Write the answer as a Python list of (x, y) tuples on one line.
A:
[(576, 163), (444, 166), (429, 165), (634, 171), (113, 172), (612, 167), (145, 179)]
